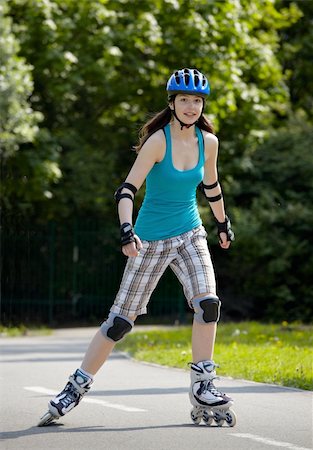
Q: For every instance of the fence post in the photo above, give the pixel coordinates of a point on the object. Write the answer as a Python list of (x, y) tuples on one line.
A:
[(51, 269)]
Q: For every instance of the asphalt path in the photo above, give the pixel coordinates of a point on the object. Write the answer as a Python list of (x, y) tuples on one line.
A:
[(135, 406)]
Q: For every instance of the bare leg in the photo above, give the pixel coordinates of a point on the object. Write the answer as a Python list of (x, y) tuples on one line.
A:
[(98, 351), (203, 339)]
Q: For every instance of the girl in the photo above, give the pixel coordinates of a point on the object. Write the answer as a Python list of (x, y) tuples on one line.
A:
[(177, 151)]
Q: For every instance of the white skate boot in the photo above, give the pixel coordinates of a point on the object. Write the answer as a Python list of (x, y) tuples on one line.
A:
[(77, 386), (208, 403)]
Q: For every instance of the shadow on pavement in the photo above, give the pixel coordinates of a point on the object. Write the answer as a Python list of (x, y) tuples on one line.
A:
[(57, 428)]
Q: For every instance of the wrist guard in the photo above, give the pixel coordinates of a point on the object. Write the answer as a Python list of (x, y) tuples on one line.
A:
[(127, 234), (225, 227)]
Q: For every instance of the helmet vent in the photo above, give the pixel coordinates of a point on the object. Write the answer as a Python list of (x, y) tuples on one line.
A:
[(177, 77), (187, 78)]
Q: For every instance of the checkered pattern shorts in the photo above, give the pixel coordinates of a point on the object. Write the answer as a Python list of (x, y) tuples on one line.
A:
[(187, 255)]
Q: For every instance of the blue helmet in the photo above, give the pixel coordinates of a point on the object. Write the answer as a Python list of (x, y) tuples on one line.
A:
[(188, 81)]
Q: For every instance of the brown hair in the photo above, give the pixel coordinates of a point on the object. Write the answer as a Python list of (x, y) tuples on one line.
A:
[(162, 118)]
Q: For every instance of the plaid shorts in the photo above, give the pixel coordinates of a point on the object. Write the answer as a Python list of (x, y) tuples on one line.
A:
[(187, 255)]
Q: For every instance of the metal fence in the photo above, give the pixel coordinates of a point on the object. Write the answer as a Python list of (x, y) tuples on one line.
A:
[(62, 274)]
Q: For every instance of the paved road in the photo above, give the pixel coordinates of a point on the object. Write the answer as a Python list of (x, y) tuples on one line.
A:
[(135, 406)]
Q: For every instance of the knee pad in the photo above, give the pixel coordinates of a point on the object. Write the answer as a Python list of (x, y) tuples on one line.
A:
[(207, 309), (116, 326)]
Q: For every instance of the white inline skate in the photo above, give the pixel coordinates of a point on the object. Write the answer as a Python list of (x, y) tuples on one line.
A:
[(209, 404), (77, 386)]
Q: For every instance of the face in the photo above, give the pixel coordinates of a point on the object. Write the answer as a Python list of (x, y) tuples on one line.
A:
[(188, 107)]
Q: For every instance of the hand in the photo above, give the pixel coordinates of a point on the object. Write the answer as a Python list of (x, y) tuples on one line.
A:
[(224, 243), (225, 233), (132, 249)]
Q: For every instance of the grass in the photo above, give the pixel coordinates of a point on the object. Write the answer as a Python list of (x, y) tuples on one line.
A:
[(276, 353), (22, 330)]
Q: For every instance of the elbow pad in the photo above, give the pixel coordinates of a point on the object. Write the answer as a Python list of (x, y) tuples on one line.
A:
[(118, 193)]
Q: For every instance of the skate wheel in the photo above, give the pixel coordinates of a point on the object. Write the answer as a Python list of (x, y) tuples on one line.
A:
[(194, 417), (218, 419), (207, 418), (230, 418), (46, 419)]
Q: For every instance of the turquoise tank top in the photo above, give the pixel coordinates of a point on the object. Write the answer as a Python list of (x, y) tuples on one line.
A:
[(170, 206)]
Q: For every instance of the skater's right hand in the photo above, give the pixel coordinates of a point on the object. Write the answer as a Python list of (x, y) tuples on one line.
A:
[(132, 249)]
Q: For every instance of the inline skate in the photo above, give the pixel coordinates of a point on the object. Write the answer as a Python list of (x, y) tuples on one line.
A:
[(78, 385), (209, 404)]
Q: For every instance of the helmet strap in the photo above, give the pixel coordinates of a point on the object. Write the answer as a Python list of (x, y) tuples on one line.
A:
[(182, 124)]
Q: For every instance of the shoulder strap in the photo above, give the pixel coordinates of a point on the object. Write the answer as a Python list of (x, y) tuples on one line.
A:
[(201, 144), (167, 134)]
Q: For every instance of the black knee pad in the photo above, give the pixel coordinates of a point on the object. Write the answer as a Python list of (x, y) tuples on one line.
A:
[(116, 326), (207, 309)]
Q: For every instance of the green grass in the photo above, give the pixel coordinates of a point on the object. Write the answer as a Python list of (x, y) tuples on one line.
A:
[(280, 354), (22, 330)]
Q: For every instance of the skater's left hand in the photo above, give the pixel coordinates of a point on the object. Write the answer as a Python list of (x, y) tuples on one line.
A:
[(225, 233), (224, 243)]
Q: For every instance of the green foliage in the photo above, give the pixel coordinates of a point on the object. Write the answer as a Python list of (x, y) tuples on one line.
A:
[(100, 67), (296, 56), (274, 221), (28, 160), (276, 353), (18, 122)]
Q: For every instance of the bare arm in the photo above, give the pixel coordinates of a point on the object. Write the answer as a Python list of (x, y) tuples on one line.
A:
[(210, 178), (152, 152)]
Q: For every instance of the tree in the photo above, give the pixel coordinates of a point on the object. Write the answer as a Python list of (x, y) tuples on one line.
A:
[(26, 171), (296, 56), (100, 67), (274, 228)]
